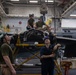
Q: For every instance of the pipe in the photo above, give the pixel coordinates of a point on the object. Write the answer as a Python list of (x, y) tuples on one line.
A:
[(63, 1), (72, 6)]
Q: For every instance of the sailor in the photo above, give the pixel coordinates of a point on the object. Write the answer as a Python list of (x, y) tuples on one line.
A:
[(39, 24), (48, 22), (47, 57), (30, 23), (6, 57)]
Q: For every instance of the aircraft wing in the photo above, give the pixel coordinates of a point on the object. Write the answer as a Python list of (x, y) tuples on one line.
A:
[(66, 40), (70, 46)]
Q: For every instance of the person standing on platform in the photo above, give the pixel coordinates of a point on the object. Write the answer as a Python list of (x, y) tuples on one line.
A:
[(6, 57), (40, 24), (30, 23), (47, 57), (48, 24)]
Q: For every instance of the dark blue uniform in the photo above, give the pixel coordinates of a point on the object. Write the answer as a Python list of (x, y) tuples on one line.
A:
[(47, 66)]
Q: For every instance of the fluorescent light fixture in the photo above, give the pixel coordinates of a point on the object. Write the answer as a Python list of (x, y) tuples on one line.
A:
[(33, 1), (14, 0), (73, 15), (49, 1)]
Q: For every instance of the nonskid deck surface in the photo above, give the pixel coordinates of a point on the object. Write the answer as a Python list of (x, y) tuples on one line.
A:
[(37, 71), (33, 67)]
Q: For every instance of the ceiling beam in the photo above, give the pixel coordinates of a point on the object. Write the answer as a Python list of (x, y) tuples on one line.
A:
[(69, 10)]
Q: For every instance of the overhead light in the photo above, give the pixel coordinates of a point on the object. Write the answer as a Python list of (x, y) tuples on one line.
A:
[(73, 15), (14, 0), (49, 1), (33, 1)]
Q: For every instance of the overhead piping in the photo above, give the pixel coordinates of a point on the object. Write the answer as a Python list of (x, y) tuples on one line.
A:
[(2, 11), (63, 1), (73, 5)]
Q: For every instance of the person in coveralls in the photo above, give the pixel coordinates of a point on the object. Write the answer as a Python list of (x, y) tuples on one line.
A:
[(47, 57)]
